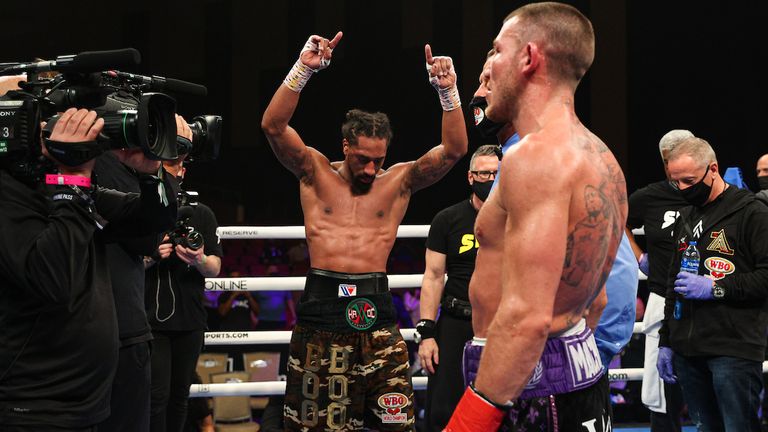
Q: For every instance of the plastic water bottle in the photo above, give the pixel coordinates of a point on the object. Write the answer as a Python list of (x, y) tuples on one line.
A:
[(689, 263)]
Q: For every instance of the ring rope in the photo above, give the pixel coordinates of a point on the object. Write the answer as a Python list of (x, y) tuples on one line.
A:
[(297, 232), (283, 337), (296, 283), (268, 388)]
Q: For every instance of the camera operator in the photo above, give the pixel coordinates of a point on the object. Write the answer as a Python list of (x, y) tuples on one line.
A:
[(130, 400), (175, 279), (59, 345)]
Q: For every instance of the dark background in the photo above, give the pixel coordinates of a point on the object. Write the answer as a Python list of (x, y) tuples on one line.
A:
[(659, 65)]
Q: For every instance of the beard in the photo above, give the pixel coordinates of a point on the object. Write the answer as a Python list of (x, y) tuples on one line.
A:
[(504, 102), (360, 187)]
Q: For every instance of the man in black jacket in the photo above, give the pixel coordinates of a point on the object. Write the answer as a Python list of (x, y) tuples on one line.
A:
[(58, 347), (130, 400), (713, 335)]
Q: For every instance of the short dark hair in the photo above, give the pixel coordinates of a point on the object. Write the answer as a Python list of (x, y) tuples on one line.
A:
[(566, 35), (367, 124)]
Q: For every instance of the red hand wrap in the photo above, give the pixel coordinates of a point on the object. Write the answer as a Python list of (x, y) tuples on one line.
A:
[(474, 414)]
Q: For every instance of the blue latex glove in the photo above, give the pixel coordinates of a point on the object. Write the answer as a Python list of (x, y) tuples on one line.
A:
[(664, 365), (643, 263), (693, 286)]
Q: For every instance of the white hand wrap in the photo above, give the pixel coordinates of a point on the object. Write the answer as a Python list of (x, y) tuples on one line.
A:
[(313, 46), (300, 73), (449, 97), (298, 76)]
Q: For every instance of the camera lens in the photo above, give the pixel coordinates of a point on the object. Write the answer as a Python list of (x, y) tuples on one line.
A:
[(149, 125), (195, 240), (157, 125), (206, 137)]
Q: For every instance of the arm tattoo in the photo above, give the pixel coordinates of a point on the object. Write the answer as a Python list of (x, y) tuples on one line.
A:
[(428, 169), (299, 164)]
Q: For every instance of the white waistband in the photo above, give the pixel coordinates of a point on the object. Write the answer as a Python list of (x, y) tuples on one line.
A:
[(478, 341), (578, 328)]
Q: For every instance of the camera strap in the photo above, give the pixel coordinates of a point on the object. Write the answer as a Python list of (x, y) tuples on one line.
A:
[(74, 194), (73, 154)]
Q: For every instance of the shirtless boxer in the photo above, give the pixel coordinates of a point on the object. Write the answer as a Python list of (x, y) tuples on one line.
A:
[(348, 365), (554, 223)]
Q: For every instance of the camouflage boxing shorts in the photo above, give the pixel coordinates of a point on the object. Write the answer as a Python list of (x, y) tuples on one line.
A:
[(348, 364)]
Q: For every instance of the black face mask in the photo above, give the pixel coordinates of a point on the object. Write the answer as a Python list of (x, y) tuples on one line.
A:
[(482, 190), (487, 127), (763, 182), (698, 194)]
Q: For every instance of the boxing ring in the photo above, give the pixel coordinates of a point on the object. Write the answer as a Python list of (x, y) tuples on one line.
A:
[(296, 283)]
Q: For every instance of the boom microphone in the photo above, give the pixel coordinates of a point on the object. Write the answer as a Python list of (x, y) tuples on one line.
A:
[(88, 61), (158, 83)]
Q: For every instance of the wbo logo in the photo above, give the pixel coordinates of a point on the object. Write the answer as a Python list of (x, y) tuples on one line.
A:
[(719, 267), (392, 404)]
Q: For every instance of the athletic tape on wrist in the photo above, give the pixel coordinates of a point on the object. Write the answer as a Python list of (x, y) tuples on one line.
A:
[(449, 97), (300, 73), (298, 76)]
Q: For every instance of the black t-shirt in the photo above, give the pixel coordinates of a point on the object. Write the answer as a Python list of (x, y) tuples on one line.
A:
[(656, 208), (175, 290), (452, 233), (239, 316), (126, 266)]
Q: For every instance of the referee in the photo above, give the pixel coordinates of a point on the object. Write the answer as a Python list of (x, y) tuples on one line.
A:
[(451, 249)]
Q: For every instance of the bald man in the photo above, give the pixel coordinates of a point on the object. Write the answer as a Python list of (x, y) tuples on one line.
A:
[(762, 178)]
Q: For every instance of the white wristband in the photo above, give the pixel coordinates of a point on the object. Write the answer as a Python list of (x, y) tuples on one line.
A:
[(298, 76)]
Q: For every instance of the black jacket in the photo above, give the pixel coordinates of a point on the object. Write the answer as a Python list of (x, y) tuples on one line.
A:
[(59, 340), (125, 257), (732, 235)]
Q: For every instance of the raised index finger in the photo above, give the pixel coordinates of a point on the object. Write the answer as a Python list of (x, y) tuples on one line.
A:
[(335, 40), (428, 54)]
